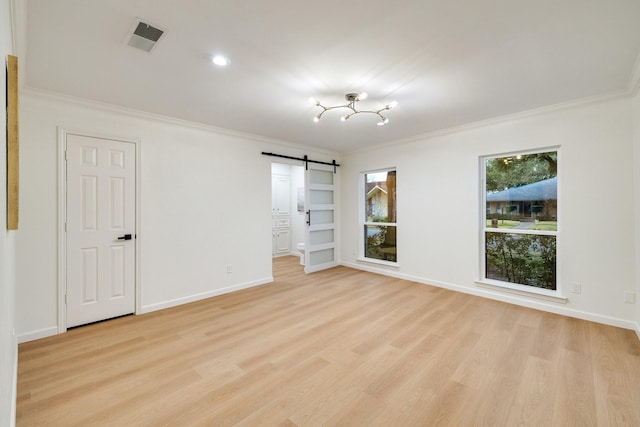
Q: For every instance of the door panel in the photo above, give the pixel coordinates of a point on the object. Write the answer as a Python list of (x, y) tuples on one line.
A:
[(320, 243), (321, 257), (281, 195), (89, 274), (100, 209), (321, 217), (283, 241), (321, 237), (118, 279), (321, 197)]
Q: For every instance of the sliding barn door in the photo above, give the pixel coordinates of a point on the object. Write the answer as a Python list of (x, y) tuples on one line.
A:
[(320, 201)]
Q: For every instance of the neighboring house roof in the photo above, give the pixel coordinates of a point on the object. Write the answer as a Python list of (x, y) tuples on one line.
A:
[(374, 189), (536, 191)]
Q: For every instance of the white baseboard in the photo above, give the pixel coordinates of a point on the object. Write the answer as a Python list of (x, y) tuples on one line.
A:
[(191, 298), (638, 330), (291, 253), (36, 335), (508, 298)]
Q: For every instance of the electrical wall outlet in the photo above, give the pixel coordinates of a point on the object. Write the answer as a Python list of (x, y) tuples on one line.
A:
[(229, 268), (576, 287), (630, 297)]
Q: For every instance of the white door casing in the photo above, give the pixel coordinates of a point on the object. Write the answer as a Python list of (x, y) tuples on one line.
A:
[(100, 213), (320, 207)]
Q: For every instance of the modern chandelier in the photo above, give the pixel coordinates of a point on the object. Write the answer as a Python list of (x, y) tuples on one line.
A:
[(352, 98)]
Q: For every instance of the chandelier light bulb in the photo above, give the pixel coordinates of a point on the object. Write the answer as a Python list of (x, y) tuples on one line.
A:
[(363, 96), (316, 119), (314, 101), (344, 118)]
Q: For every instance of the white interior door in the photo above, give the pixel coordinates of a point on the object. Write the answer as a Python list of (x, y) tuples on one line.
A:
[(320, 203), (100, 225)]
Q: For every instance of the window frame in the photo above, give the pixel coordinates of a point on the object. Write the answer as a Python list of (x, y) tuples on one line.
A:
[(520, 289), (361, 253)]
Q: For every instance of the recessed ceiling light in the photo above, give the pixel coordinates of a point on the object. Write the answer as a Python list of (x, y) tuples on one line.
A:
[(220, 60)]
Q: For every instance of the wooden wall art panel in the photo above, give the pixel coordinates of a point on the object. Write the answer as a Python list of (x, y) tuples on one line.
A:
[(12, 144)]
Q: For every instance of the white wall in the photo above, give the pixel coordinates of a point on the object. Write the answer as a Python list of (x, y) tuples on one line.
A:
[(8, 346), (438, 204), (636, 142), (206, 203)]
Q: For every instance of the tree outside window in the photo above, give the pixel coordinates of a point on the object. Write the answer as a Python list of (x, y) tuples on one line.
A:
[(380, 215)]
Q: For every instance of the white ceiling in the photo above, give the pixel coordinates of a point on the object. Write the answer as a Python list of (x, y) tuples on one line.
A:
[(447, 63)]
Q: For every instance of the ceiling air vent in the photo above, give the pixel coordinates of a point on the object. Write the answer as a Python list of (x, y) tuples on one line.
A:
[(144, 36)]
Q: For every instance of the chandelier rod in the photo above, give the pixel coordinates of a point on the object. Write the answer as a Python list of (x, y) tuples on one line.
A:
[(352, 98)]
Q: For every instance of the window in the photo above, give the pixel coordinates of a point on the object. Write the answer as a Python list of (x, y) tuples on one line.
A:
[(380, 218), (520, 224)]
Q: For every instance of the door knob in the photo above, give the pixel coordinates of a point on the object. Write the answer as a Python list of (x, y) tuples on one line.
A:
[(125, 237)]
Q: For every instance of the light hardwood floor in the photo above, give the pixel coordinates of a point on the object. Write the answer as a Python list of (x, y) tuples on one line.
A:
[(339, 347)]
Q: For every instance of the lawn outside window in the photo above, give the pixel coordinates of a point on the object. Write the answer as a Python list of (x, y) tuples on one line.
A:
[(519, 225)]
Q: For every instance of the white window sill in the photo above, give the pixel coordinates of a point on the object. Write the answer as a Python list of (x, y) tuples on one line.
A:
[(379, 262), (528, 291)]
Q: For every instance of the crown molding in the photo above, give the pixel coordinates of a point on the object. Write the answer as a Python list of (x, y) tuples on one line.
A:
[(620, 94), (130, 112)]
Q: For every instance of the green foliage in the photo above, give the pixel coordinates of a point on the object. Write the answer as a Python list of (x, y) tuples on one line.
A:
[(546, 226), (522, 258), (377, 246), (508, 172), (373, 245)]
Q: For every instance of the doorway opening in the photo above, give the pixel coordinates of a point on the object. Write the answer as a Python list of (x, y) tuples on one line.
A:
[(287, 210)]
